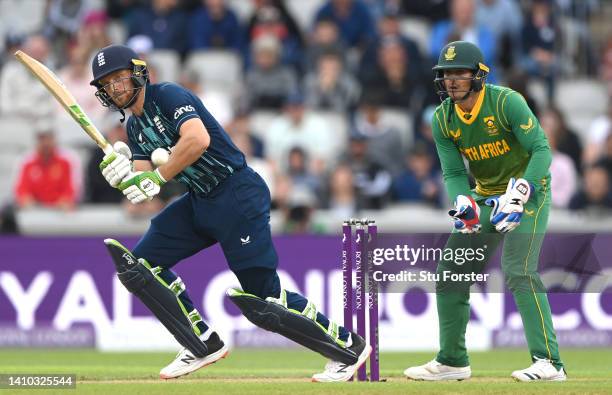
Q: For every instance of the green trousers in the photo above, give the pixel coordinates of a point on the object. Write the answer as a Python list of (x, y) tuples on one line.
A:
[(520, 255)]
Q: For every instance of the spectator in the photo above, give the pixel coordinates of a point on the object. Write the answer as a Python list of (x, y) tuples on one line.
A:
[(299, 213), (566, 140), (46, 177), (97, 189), (19, 89), (325, 39), (517, 80), (419, 182), (271, 18), (384, 142), (331, 88), (539, 39), (298, 127), (64, 18), (562, 169), (432, 10), (600, 129), (595, 193), (504, 18), (389, 31), (464, 26), (392, 76), (163, 22), (300, 173), (12, 42), (356, 25), (214, 25), (424, 134), (605, 70), (269, 83), (218, 102), (606, 159), (372, 182), (341, 202), (240, 131), (76, 76), (93, 33)]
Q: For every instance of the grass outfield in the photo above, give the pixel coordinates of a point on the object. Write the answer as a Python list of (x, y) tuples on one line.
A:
[(288, 372)]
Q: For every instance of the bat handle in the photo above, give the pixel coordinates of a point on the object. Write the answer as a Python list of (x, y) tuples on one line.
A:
[(108, 149)]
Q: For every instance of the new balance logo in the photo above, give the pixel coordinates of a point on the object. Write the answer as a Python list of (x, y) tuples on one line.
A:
[(358, 239), (179, 111), (187, 359), (246, 240), (101, 60), (128, 258)]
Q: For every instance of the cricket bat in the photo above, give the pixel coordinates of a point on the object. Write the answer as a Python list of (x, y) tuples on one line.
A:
[(64, 97)]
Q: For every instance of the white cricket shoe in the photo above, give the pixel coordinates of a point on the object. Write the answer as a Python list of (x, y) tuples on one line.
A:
[(337, 371), (541, 370), (185, 362), (435, 371)]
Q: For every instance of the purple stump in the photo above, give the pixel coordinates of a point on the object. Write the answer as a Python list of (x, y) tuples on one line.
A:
[(360, 295), (372, 288), (347, 276)]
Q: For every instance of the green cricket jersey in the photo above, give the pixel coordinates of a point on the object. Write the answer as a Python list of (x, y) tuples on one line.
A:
[(500, 139)]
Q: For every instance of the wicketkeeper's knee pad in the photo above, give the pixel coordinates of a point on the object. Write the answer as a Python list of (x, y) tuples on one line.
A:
[(162, 299), (301, 327)]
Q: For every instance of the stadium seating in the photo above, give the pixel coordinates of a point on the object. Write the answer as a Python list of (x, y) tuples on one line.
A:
[(218, 69), (166, 64)]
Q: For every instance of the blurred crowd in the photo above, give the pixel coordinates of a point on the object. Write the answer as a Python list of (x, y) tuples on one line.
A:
[(346, 95)]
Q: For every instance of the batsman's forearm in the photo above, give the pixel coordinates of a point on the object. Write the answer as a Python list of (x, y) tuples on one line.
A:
[(185, 153)]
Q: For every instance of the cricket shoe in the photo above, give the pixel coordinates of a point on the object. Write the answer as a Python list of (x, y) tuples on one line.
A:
[(337, 371), (185, 362), (435, 371), (541, 370)]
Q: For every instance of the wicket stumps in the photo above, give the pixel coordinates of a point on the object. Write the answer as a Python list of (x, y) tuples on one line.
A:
[(357, 257)]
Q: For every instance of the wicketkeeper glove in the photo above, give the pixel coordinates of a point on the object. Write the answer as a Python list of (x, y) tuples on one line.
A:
[(508, 208), (141, 186), (466, 215), (116, 165)]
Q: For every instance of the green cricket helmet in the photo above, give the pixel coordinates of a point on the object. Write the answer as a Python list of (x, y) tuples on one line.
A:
[(460, 55)]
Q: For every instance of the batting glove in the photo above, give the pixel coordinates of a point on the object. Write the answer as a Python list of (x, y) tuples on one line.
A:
[(117, 165), (141, 186), (508, 208), (466, 215)]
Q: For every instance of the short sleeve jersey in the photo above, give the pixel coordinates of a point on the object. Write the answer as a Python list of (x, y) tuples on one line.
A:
[(167, 106)]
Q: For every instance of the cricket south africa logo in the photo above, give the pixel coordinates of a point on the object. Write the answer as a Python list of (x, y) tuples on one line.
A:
[(450, 53), (101, 60), (490, 125)]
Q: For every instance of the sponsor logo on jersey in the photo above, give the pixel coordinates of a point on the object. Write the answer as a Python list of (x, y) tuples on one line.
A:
[(490, 125), (529, 212), (245, 240), (450, 53), (486, 150), (183, 109), (158, 124), (455, 134), (101, 60), (528, 126)]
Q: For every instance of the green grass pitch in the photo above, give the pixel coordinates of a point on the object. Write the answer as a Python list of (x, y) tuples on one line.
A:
[(288, 372)]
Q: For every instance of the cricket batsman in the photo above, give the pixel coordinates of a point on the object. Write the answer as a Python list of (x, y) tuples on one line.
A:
[(227, 202), (493, 129)]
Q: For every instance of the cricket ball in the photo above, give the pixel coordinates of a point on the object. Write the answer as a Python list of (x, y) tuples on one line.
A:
[(160, 156)]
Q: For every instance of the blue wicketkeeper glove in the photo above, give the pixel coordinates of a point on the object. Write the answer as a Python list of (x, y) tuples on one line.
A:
[(466, 215), (508, 208)]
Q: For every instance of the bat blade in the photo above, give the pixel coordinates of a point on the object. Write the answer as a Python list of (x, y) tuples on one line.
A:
[(64, 97)]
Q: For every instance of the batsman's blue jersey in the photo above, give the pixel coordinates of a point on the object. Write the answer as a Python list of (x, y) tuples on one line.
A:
[(166, 107)]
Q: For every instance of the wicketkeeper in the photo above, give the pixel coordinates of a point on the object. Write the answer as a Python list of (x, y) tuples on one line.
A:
[(227, 203), (493, 129)]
